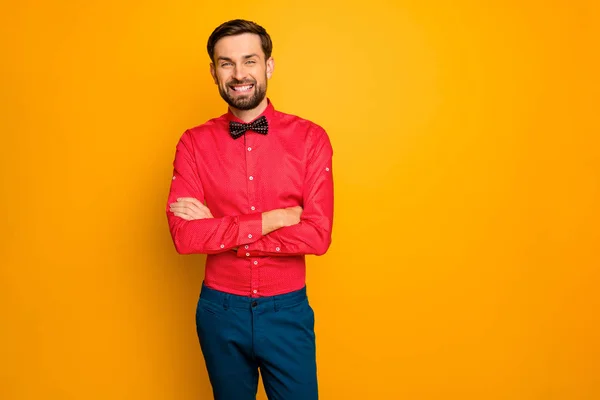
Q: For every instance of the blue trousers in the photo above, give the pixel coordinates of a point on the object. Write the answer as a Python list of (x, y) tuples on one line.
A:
[(241, 335)]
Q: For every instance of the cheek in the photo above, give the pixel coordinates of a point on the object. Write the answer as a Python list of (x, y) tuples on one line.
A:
[(221, 78), (262, 76)]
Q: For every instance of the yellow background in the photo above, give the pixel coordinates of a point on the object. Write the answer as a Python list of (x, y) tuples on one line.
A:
[(464, 262)]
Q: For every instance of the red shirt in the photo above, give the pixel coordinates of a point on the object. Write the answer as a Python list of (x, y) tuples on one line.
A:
[(240, 178)]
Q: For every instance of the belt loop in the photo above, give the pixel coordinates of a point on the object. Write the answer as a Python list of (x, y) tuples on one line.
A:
[(226, 301)]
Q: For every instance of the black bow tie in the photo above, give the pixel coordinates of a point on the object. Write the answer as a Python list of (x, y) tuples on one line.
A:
[(237, 129)]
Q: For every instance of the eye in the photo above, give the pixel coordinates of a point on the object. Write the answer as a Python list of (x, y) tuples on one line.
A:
[(250, 62), (226, 64)]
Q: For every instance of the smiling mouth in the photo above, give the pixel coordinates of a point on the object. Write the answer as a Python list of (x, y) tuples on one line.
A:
[(242, 88)]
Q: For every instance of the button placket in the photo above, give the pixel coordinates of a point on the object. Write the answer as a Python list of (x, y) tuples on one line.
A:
[(250, 172), (254, 275), (251, 181)]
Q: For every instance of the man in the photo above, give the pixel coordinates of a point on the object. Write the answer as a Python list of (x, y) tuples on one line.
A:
[(253, 189)]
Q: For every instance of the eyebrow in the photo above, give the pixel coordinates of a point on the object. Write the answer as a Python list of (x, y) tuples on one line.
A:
[(245, 57)]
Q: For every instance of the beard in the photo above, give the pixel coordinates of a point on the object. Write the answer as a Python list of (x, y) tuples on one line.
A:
[(244, 102)]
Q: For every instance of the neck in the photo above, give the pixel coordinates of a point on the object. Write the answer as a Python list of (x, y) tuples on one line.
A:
[(249, 115)]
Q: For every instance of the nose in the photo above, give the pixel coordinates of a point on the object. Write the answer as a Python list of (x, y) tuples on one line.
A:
[(239, 73)]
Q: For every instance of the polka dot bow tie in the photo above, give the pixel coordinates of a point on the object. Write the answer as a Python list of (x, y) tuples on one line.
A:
[(237, 129)]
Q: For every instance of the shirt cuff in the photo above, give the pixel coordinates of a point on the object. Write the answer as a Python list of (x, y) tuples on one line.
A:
[(250, 228), (249, 251)]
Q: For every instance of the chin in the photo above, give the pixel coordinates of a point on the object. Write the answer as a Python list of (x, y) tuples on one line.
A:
[(246, 101)]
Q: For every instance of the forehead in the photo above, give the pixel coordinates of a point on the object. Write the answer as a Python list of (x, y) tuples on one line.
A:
[(238, 46)]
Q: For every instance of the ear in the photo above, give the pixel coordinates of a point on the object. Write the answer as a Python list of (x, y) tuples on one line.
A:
[(213, 73), (270, 67)]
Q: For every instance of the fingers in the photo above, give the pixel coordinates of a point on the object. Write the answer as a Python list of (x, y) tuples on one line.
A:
[(190, 208), (196, 207), (192, 211), (195, 203), (184, 216), (189, 214)]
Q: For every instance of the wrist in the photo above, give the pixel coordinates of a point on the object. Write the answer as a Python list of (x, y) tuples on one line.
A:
[(281, 218), (273, 220)]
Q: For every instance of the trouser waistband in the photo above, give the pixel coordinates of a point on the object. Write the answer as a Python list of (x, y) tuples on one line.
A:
[(237, 301)]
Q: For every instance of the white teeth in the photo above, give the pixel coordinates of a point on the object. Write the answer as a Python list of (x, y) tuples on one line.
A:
[(242, 88)]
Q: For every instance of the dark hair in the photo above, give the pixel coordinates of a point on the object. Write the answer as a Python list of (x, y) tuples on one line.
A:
[(237, 27)]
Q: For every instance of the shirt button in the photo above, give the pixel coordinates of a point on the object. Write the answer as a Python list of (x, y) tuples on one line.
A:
[(247, 254), (246, 247), (253, 208), (222, 246), (255, 291), (251, 178), (249, 148), (255, 262), (250, 236), (173, 178), (277, 249), (326, 169)]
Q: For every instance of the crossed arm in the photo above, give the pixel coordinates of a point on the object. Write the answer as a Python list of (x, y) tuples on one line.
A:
[(190, 209), (279, 232)]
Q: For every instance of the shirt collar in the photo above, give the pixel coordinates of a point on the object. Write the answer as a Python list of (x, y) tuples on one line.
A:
[(268, 113)]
